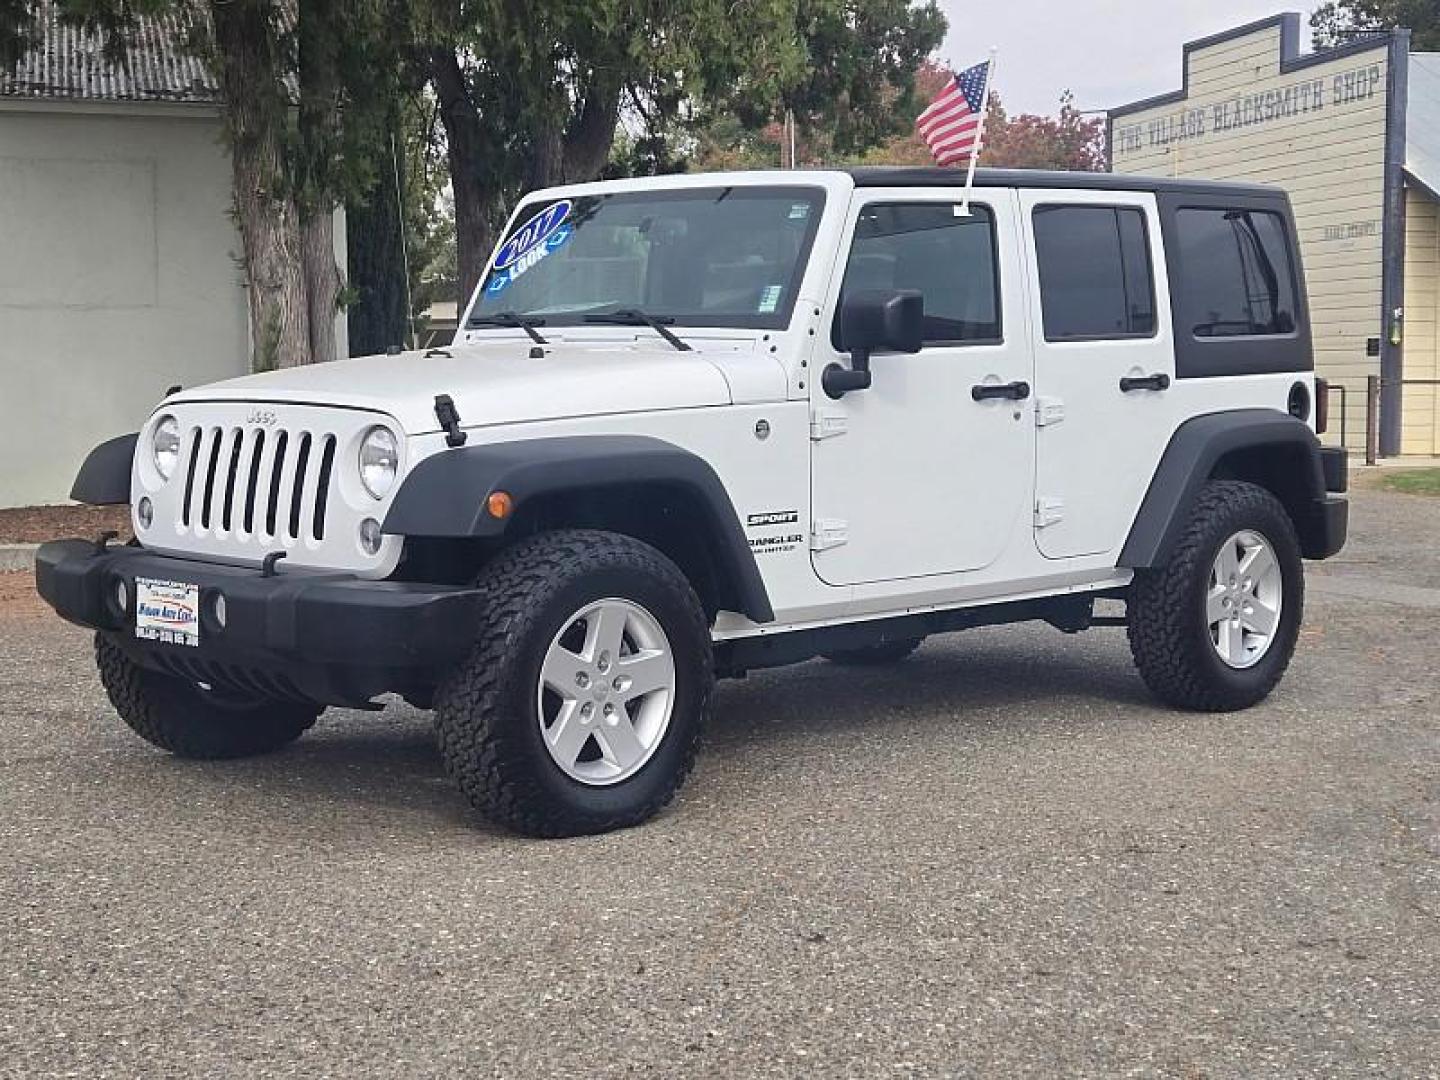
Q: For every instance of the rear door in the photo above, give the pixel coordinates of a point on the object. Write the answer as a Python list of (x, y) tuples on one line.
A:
[(1104, 363)]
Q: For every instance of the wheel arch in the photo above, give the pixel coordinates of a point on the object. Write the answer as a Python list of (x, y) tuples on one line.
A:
[(1262, 446), (104, 478), (636, 485)]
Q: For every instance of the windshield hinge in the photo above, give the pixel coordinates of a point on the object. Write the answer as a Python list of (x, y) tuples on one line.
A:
[(827, 423), (826, 533)]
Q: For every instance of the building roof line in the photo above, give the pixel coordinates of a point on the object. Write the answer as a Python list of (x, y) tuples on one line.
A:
[(1291, 59), (67, 63)]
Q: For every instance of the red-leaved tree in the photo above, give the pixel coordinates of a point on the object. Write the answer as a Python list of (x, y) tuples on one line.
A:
[(1069, 140)]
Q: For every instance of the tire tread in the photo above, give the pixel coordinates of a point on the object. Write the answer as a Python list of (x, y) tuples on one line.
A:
[(1160, 626), (489, 763)]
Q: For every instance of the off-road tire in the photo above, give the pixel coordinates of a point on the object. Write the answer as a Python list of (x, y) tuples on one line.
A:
[(889, 652), (1169, 637), (486, 713), (191, 722)]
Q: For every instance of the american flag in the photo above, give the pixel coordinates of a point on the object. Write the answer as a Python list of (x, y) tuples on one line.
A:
[(951, 125)]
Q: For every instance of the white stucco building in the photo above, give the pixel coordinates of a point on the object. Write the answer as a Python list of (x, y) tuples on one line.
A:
[(120, 271)]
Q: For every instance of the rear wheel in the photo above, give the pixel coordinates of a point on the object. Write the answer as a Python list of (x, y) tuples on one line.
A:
[(1215, 628), (193, 721), (581, 703)]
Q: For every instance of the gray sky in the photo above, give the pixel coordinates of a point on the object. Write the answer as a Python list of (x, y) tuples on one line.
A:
[(1107, 51)]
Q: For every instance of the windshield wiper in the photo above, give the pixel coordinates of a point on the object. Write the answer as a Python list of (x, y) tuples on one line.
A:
[(509, 318), (636, 317)]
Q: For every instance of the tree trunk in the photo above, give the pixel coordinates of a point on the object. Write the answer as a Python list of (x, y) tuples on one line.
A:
[(320, 32), (269, 233), (322, 283), (474, 204)]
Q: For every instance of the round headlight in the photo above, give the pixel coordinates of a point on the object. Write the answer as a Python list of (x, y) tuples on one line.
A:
[(379, 459), (165, 446)]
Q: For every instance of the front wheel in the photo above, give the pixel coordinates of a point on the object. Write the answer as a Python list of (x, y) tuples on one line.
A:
[(581, 703), (194, 721), (1214, 629)]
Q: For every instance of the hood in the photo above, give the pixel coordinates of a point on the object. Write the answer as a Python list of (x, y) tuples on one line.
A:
[(492, 383)]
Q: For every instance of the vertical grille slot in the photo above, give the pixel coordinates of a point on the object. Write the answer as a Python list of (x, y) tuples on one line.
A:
[(253, 483), (322, 487), (272, 508), (227, 508), (297, 488), (212, 462), (194, 458)]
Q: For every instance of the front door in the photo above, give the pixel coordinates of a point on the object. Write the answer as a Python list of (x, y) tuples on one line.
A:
[(920, 475), (1104, 364)]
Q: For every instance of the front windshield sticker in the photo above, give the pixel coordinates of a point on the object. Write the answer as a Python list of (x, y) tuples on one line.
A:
[(799, 211), (532, 234), (769, 299), (504, 275)]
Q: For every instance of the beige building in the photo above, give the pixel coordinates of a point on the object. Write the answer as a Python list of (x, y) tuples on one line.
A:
[(1353, 134), (119, 261)]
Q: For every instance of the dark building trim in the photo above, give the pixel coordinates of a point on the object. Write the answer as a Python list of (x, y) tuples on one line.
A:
[(1290, 58), (1392, 241)]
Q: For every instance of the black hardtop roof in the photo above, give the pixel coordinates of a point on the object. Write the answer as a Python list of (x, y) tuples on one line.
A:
[(934, 176)]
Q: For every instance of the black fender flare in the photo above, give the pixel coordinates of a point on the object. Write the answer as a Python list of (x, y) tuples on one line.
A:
[(104, 478), (1189, 460), (446, 494)]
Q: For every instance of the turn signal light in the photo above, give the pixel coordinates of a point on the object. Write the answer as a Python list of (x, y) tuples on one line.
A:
[(500, 505)]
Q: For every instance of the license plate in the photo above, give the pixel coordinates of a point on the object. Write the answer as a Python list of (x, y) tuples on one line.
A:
[(167, 611)]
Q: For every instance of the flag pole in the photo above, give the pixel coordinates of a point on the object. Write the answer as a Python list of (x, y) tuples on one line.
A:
[(963, 210)]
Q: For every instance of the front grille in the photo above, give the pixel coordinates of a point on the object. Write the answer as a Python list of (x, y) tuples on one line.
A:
[(262, 484)]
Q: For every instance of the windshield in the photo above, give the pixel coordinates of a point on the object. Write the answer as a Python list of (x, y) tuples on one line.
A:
[(724, 256)]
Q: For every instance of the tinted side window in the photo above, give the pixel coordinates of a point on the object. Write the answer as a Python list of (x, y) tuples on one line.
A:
[(1095, 274), (950, 259), (1237, 277)]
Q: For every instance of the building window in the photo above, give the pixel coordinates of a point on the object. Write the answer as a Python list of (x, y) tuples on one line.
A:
[(950, 259), (1238, 279), (1096, 279)]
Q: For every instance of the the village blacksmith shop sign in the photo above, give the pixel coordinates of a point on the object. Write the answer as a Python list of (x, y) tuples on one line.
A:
[(1286, 103)]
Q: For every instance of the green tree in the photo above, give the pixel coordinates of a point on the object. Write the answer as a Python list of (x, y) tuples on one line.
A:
[(1339, 21), (1068, 140), (534, 94), (400, 234), (303, 90)]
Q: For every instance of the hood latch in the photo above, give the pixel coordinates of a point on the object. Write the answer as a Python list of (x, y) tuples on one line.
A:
[(449, 418)]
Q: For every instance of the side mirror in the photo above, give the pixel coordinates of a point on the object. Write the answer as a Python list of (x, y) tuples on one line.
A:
[(879, 320)]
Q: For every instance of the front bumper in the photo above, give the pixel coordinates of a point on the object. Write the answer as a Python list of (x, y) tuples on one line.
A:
[(329, 638)]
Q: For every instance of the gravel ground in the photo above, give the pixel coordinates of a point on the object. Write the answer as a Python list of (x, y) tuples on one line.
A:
[(999, 858)]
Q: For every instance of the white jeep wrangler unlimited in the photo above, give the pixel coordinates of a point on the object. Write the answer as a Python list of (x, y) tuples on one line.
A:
[(696, 425)]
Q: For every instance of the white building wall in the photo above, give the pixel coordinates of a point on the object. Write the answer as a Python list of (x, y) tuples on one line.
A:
[(118, 278)]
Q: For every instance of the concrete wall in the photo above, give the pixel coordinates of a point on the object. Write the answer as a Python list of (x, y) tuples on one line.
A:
[(118, 279), (1316, 129)]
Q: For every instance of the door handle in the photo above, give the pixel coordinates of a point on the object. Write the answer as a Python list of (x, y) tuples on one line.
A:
[(1015, 391), (1160, 381)]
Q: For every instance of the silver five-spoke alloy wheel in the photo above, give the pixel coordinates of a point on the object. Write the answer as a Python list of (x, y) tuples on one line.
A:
[(607, 689), (1242, 605)]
